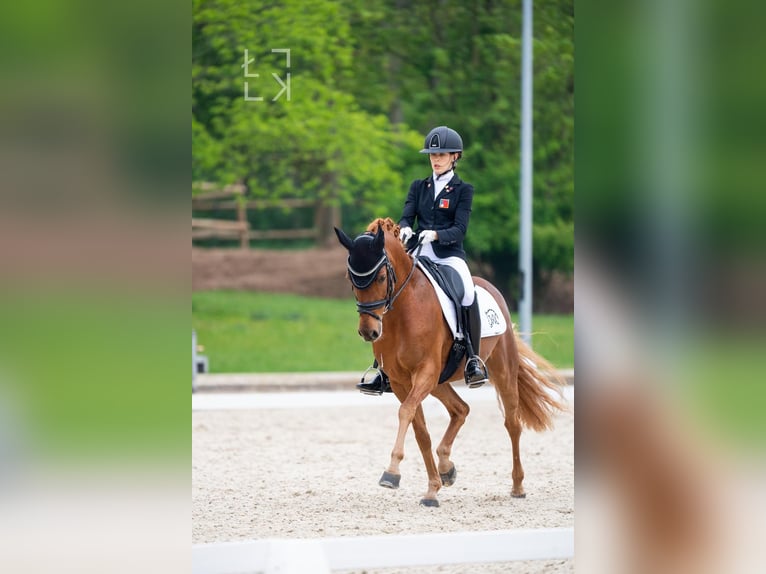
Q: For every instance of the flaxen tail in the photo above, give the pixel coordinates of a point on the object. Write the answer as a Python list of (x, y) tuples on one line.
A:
[(540, 389)]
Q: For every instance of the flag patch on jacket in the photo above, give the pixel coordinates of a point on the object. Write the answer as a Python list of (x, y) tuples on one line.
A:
[(444, 203)]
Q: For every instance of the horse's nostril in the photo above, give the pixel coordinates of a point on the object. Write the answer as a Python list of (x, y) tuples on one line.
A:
[(374, 335)]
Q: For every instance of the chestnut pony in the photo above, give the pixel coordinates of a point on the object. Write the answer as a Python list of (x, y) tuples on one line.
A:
[(399, 313)]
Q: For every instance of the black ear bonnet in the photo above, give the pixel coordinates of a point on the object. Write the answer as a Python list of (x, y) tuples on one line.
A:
[(365, 258)]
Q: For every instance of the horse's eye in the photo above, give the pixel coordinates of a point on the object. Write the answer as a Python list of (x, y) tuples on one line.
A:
[(381, 278)]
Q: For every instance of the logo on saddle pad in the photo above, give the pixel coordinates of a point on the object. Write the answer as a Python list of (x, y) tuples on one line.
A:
[(492, 318), (444, 203)]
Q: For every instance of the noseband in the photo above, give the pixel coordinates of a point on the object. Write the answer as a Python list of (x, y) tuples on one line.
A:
[(363, 280)]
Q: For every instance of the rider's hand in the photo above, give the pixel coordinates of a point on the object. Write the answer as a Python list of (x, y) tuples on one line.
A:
[(427, 236), (405, 233)]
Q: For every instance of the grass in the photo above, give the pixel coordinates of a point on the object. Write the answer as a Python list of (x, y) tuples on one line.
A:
[(262, 332), (553, 338)]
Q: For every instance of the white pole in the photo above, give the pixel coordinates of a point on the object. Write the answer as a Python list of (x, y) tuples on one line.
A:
[(525, 196)]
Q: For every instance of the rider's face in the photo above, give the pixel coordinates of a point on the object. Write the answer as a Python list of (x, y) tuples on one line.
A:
[(441, 162)]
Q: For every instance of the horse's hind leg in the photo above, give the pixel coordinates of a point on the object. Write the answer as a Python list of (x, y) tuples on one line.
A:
[(513, 425), (505, 378), (458, 411)]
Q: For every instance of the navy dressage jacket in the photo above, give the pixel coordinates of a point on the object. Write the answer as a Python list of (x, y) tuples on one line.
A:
[(448, 214)]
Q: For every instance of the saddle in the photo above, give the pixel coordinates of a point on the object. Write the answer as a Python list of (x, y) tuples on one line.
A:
[(451, 283), (448, 279)]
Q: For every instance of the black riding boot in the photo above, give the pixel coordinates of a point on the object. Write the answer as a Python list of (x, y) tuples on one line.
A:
[(475, 369), (378, 385)]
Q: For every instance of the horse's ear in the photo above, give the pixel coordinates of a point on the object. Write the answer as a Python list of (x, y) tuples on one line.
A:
[(380, 239), (344, 239)]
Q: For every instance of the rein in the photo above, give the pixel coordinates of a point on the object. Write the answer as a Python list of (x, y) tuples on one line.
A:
[(391, 296)]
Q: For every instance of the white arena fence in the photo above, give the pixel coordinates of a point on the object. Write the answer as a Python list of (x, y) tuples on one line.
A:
[(324, 555)]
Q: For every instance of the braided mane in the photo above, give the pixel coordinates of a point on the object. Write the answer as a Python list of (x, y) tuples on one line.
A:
[(387, 224)]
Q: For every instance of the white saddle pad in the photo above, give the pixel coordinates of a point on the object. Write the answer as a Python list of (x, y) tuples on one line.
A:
[(492, 320)]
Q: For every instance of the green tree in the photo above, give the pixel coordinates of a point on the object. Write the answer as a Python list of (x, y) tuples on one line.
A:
[(367, 82), (459, 63), (319, 142)]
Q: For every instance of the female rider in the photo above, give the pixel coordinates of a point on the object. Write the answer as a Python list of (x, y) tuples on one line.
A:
[(441, 206)]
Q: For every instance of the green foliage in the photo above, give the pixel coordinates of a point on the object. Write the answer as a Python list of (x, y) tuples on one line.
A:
[(265, 332), (368, 81), (319, 143)]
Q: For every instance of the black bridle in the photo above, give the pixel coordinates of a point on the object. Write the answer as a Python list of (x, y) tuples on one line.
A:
[(363, 280)]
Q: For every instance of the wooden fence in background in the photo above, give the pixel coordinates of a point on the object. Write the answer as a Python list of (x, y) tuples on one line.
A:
[(214, 198)]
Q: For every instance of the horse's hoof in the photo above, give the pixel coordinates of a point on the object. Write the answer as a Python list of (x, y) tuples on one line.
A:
[(515, 495), (432, 502), (448, 478), (390, 480)]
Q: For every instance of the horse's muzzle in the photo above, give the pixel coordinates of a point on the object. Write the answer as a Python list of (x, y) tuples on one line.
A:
[(370, 329)]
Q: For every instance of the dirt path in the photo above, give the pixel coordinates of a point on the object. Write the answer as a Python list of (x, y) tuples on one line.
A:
[(321, 272), (315, 272), (313, 472)]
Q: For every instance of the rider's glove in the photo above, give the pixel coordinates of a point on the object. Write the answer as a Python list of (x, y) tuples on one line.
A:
[(405, 233), (427, 236)]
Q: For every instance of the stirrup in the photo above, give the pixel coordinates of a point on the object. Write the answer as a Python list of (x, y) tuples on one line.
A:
[(365, 388), (476, 384)]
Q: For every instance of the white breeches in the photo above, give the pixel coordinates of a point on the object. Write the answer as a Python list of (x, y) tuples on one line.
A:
[(458, 265)]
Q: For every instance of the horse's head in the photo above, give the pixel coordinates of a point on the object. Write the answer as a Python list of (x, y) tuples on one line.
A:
[(372, 278)]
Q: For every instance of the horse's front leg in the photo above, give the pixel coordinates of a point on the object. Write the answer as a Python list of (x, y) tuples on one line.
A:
[(410, 404), (424, 443)]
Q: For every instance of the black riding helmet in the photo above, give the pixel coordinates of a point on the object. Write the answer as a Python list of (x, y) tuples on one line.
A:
[(443, 139)]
